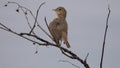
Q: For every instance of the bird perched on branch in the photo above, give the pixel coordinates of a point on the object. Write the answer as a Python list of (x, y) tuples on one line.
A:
[(59, 27)]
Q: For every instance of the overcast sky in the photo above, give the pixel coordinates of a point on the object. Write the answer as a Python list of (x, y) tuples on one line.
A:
[(86, 20)]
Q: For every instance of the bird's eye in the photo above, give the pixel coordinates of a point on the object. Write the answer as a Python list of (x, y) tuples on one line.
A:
[(59, 9)]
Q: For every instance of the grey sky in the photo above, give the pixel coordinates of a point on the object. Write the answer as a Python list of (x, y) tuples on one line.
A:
[(86, 20)]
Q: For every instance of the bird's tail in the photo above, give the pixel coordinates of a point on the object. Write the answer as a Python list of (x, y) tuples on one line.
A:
[(64, 37)]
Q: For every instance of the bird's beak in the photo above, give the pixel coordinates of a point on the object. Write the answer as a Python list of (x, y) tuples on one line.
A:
[(54, 9)]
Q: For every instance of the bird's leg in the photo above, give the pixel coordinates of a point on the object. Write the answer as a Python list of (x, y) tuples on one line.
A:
[(57, 42)]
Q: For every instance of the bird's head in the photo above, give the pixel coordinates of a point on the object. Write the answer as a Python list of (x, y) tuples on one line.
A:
[(61, 12)]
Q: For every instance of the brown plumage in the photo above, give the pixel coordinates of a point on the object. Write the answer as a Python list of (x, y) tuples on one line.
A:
[(58, 27)]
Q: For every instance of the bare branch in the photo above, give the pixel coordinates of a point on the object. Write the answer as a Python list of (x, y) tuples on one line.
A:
[(24, 10), (109, 11), (41, 41), (65, 51), (72, 55), (35, 36), (46, 43)]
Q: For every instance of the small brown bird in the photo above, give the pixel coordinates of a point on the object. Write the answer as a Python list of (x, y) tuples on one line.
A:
[(59, 27)]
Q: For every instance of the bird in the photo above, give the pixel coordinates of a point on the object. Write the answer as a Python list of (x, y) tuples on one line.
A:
[(58, 27)]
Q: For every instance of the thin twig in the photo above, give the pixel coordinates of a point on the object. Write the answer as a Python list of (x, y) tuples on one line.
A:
[(48, 28), (4, 27), (109, 11), (36, 17), (69, 63), (86, 57)]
